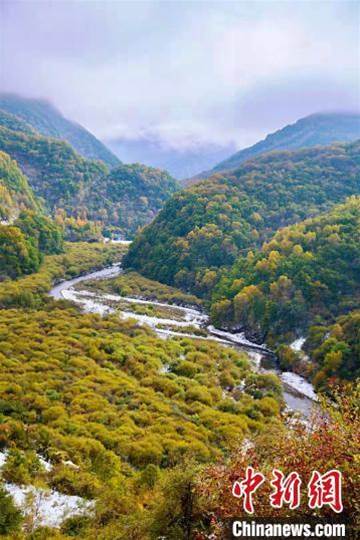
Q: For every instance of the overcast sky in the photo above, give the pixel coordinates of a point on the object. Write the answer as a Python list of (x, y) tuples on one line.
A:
[(188, 72)]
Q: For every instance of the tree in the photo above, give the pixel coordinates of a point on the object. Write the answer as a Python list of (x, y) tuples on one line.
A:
[(10, 515)]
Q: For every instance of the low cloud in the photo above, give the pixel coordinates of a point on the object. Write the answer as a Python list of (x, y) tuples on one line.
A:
[(187, 73)]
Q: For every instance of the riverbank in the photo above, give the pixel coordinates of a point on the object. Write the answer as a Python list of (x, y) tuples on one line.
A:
[(299, 394)]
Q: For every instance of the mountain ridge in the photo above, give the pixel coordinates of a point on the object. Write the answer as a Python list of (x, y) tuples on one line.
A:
[(45, 118), (317, 129), (119, 200), (205, 226)]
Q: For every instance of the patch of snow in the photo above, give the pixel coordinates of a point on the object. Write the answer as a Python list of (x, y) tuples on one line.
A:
[(246, 445), (240, 386), (255, 358), (46, 464), (88, 305), (3, 457), (238, 338), (50, 508), (191, 314), (170, 333), (165, 369), (70, 464)]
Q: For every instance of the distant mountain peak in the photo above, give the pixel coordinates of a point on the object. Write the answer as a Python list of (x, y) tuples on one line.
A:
[(317, 129)]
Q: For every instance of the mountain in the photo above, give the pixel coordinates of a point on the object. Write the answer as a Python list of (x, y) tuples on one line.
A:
[(209, 224), (55, 171), (129, 197), (305, 281), (316, 129), (48, 121), (307, 272), (121, 201), (180, 162)]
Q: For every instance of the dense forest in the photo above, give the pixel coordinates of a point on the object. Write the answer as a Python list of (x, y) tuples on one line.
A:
[(305, 272), (129, 197), (298, 283), (24, 244), (208, 225), (26, 233), (56, 172), (15, 192), (334, 350), (83, 195)]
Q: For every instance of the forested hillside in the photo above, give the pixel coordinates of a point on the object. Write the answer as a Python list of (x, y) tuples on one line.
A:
[(306, 272), (10, 121), (130, 196), (56, 172), (208, 225), (297, 284), (26, 234), (313, 130), (15, 192), (24, 243), (334, 350), (82, 193), (48, 121)]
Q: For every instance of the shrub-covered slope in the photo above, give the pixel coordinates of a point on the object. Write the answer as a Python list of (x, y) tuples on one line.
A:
[(48, 121), (208, 225), (111, 406)]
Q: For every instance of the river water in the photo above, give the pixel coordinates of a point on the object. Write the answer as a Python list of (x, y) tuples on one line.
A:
[(299, 394)]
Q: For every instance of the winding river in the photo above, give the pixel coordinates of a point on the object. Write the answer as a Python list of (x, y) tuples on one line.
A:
[(174, 320)]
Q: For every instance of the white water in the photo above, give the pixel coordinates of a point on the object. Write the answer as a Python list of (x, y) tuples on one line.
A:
[(298, 393), (299, 383), (297, 344)]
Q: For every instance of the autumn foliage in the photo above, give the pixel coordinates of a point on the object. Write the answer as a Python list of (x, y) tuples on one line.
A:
[(332, 441)]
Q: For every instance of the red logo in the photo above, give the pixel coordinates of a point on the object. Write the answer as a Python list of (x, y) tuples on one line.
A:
[(247, 487), (286, 490), (323, 489)]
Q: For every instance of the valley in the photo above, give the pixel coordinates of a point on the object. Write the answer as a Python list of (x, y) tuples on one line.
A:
[(137, 376), (180, 321)]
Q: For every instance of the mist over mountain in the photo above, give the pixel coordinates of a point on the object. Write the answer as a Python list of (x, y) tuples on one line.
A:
[(179, 161), (47, 120), (315, 129)]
